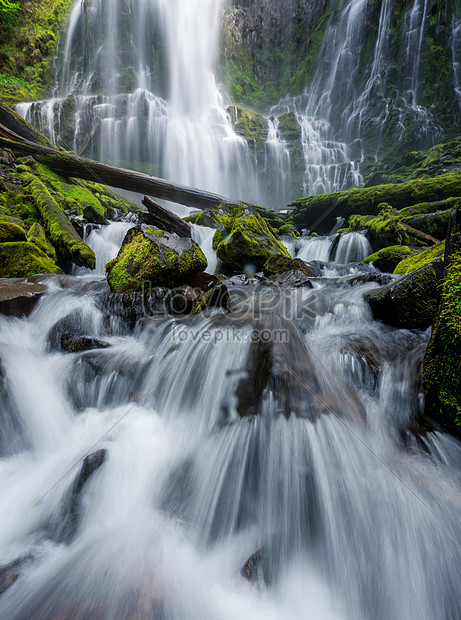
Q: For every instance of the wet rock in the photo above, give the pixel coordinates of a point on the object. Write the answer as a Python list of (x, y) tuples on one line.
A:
[(20, 259), (243, 238), (203, 281), (277, 265), (71, 326), (388, 258), (19, 298), (292, 278), (72, 503), (9, 573), (256, 568), (83, 343), (149, 255), (411, 302), (6, 157), (216, 297), (131, 307), (93, 217)]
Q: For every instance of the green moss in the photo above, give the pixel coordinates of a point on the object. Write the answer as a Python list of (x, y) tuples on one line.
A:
[(245, 238), (414, 262), (442, 364), (277, 265), (21, 259), (62, 234), (250, 125), (368, 200), (9, 231), (143, 259), (37, 235), (388, 258), (383, 230)]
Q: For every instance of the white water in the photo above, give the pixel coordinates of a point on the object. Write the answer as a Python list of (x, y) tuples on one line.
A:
[(352, 248), (355, 522), (106, 242), (314, 248)]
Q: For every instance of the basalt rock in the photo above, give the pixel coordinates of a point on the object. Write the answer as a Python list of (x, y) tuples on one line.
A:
[(19, 298), (412, 301), (149, 256)]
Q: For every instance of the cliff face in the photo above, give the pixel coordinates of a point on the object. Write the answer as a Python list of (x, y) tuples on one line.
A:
[(270, 47)]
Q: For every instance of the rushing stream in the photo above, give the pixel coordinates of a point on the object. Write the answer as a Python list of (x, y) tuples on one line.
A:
[(354, 515)]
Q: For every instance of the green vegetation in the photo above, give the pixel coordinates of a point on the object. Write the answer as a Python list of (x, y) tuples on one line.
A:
[(37, 235), (9, 231), (416, 261), (442, 364), (153, 259), (388, 258), (19, 259), (279, 264)]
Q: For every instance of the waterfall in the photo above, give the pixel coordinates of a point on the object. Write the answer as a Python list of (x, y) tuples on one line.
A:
[(106, 242), (314, 248), (455, 41), (144, 78), (354, 517), (352, 248)]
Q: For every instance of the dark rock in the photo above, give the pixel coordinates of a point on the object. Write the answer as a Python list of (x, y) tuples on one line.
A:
[(292, 278), (277, 265), (256, 568), (76, 345), (6, 157), (411, 302), (10, 572), (72, 504), (203, 281), (131, 307), (93, 217), (19, 298)]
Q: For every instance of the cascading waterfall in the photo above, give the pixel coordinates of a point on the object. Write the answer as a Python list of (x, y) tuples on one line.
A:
[(144, 80), (455, 41), (352, 248), (354, 516)]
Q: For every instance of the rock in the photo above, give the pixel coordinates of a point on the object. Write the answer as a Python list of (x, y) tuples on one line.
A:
[(294, 277), (9, 231), (10, 572), (149, 255), (411, 302), (281, 264), (20, 259), (216, 297), (6, 157), (93, 217), (203, 281), (416, 261), (72, 505), (19, 298), (434, 224), (256, 568), (244, 237), (77, 345), (131, 307), (442, 362), (37, 235), (388, 258)]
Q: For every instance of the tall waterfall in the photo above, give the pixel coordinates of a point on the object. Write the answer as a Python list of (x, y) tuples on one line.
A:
[(143, 77)]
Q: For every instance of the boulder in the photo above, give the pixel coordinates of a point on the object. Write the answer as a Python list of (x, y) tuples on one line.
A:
[(244, 237), (83, 343), (19, 259), (420, 259), (19, 298), (281, 264), (9, 231), (151, 256), (388, 258), (256, 568), (411, 302)]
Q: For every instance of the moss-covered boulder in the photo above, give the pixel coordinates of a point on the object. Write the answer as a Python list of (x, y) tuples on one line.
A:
[(20, 259), (37, 235), (276, 265), (434, 224), (149, 255), (387, 259), (442, 363), (383, 230), (9, 231), (412, 301), (244, 237), (420, 259)]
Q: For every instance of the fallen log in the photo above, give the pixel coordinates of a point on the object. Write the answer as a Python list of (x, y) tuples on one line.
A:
[(70, 165), (420, 235), (9, 118), (166, 219)]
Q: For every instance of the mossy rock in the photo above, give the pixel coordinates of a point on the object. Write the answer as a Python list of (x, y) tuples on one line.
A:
[(388, 258), (442, 363), (151, 256), (434, 224), (37, 235), (20, 259), (277, 265), (416, 261), (9, 231), (367, 201), (412, 301), (250, 125), (383, 231), (244, 237)]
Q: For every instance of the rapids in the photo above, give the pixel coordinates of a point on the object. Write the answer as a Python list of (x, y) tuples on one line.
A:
[(355, 514)]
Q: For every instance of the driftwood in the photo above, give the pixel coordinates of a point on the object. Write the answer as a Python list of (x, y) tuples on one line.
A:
[(165, 219), (70, 165)]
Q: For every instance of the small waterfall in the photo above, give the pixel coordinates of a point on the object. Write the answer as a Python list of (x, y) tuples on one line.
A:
[(314, 248), (353, 247), (277, 164), (203, 235), (106, 242)]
